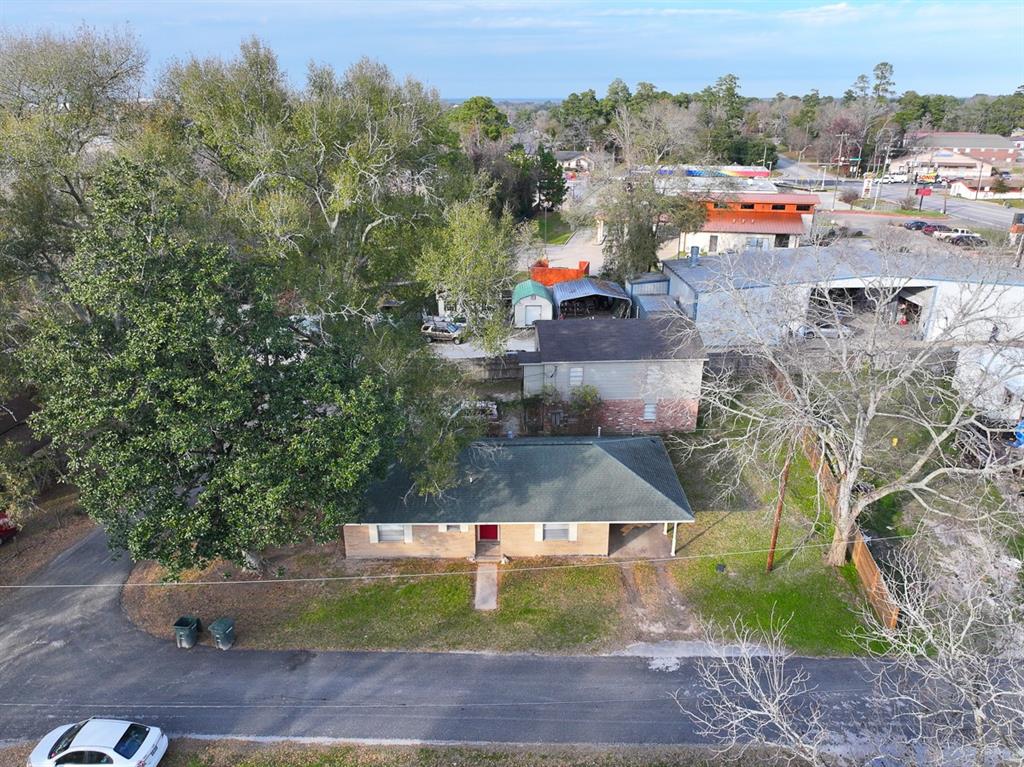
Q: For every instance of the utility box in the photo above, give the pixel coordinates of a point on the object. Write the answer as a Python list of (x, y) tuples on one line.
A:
[(223, 632), (186, 631)]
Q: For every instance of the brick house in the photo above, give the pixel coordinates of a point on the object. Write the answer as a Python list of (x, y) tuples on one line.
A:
[(533, 496), (647, 372)]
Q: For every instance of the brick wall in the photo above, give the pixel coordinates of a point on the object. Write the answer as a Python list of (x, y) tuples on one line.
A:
[(627, 416), (427, 541), (521, 541)]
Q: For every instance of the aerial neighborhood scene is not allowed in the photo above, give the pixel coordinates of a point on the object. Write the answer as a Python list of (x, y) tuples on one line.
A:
[(359, 408)]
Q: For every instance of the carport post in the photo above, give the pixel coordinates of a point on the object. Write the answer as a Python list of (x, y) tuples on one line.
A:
[(675, 532)]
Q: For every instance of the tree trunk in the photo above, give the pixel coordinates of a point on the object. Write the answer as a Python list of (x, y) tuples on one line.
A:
[(844, 517), (254, 561)]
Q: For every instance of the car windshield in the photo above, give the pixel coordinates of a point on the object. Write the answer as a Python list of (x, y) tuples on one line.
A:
[(132, 739), (65, 740), (452, 327)]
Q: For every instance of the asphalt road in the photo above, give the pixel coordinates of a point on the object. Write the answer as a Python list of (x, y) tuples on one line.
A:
[(66, 654), (974, 212)]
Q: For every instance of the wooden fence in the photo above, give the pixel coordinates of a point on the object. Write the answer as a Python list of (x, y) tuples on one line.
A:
[(873, 581), (501, 368)]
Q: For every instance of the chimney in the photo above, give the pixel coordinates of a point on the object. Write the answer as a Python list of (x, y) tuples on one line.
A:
[(694, 255)]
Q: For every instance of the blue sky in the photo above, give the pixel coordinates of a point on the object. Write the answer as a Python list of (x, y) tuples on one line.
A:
[(547, 49)]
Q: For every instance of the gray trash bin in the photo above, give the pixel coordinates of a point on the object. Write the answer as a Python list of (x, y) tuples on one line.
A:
[(223, 631), (186, 630)]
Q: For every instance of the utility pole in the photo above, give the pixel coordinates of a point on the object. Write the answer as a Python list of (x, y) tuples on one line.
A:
[(777, 519), (835, 181), (878, 191)]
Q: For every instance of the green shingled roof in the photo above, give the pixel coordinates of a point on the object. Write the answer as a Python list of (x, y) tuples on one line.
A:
[(544, 479), (528, 288)]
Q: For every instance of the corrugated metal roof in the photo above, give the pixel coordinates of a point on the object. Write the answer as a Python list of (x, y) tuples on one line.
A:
[(754, 224), (799, 266), (528, 288), (585, 287), (531, 480), (656, 304)]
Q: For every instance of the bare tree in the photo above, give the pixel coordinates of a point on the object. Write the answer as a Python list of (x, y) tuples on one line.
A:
[(755, 697), (952, 666), (853, 353), (660, 132)]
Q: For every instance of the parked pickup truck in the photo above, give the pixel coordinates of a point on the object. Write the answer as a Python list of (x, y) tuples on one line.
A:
[(955, 231)]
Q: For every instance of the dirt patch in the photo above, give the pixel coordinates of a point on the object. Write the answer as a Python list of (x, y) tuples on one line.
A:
[(256, 602), (237, 753), (58, 525)]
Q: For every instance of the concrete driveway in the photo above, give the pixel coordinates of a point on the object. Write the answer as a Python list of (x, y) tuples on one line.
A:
[(66, 654)]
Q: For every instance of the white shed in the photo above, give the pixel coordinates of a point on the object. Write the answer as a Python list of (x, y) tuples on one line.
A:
[(531, 301)]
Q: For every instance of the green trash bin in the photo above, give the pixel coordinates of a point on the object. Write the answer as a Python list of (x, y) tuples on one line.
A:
[(223, 631), (186, 631)]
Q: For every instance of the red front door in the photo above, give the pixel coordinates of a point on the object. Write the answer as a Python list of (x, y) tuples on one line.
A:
[(487, 532)]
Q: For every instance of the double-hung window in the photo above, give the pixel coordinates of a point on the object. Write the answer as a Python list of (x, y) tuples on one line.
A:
[(390, 533), (650, 411), (575, 377), (556, 532)]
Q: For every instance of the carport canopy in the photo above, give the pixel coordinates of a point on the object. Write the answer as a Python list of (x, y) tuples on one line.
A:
[(587, 287)]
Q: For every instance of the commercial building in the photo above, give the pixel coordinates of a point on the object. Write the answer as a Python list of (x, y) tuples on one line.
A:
[(998, 151)]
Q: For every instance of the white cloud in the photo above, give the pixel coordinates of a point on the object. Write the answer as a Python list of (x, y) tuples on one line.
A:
[(824, 15)]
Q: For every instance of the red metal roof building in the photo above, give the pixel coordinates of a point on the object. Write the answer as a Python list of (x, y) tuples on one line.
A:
[(745, 220)]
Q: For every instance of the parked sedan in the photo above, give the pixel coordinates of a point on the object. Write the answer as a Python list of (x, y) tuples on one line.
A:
[(931, 229), (100, 741), (915, 226), (968, 241)]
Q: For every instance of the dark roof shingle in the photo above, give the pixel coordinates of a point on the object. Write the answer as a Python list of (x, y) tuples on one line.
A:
[(600, 340), (543, 479)]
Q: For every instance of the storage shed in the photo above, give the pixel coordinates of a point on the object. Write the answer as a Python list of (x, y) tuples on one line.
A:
[(531, 301)]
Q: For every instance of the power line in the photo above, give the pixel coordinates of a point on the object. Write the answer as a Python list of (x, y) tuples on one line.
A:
[(398, 576)]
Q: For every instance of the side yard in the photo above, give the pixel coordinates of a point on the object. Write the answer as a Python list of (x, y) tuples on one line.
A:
[(721, 565)]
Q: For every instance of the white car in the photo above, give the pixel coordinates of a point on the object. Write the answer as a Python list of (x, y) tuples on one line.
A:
[(100, 741)]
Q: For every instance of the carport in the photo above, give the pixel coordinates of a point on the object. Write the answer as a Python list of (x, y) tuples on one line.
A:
[(590, 297)]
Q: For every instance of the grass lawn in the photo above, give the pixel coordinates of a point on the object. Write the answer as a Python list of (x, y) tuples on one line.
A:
[(888, 206), (574, 609), (553, 229), (820, 603), (184, 752)]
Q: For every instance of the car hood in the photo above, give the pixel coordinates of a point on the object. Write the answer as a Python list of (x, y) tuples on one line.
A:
[(41, 752)]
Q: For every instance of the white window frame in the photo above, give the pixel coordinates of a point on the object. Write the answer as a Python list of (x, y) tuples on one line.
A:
[(541, 530), (575, 377), (447, 528), (650, 411), (376, 530)]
